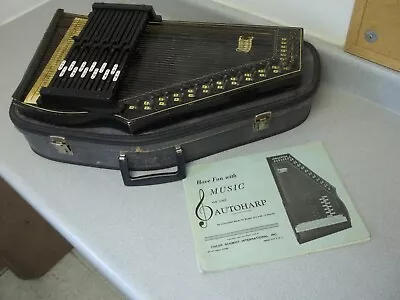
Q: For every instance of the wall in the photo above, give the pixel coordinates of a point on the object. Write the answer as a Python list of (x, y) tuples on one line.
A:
[(324, 19), (11, 9)]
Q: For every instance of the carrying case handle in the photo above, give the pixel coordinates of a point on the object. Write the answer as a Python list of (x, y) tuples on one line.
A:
[(157, 178)]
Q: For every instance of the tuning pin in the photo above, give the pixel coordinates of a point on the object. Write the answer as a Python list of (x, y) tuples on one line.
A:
[(191, 92), (177, 96), (220, 85), (234, 80), (249, 76), (207, 87), (162, 100)]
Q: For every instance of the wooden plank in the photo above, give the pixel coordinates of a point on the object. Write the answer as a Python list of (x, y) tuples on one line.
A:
[(355, 23), (28, 244), (382, 17), (2, 266)]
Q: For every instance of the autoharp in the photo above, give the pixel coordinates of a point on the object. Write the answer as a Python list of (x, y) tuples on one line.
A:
[(124, 64), (312, 204)]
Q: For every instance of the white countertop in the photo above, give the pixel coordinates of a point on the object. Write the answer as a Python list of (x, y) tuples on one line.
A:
[(140, 238)]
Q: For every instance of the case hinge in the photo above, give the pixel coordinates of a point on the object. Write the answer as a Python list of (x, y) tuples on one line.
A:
[(60, 143), (261, 121)]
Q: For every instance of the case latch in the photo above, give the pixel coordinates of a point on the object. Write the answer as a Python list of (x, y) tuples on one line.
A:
[(60, 143), (261, 121)]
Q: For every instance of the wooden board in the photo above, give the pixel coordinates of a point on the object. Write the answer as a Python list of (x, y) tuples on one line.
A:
[(2, 266), (29, 246), (380, 17)]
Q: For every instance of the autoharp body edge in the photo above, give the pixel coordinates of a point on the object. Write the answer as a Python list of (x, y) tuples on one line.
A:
[(281, 68)]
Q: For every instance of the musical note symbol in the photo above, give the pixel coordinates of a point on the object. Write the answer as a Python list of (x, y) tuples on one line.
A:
[(203, 212)]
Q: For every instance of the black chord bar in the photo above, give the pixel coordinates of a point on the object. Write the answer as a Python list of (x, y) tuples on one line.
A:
[(109, 37)]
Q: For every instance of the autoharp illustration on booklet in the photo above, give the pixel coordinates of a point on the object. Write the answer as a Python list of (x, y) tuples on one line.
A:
[(312, 205)]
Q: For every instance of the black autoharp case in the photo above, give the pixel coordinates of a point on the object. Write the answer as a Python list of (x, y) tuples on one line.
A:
[(124, 89)]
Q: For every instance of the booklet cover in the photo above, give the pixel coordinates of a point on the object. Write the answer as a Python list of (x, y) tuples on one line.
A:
[(268, 206)]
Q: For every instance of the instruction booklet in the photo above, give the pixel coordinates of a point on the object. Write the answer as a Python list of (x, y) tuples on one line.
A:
[(268, 206)]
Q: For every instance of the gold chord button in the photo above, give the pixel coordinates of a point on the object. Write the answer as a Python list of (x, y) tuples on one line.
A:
[(147, 108)]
